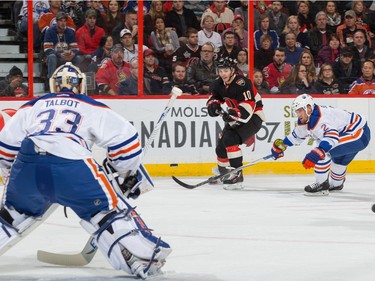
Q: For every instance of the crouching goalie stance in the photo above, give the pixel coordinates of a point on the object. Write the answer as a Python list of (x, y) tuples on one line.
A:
[(47, 148), (339, 135)]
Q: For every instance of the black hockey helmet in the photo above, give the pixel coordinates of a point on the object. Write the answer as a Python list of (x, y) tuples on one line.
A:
[(226, 62)]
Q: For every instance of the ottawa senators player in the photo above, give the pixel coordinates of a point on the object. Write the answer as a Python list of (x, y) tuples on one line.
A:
[(243, 119)]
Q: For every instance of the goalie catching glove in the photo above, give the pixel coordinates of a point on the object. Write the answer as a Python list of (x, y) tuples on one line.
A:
[(278, 149), (313, 157)]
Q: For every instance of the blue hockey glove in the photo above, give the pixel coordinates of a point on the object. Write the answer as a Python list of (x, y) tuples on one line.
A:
[(277, 149), (231, 115), (213, 107), (130, 187), (313, 157)]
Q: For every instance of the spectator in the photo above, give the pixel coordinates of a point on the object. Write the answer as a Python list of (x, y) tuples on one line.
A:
[(319, 35), (264, 28), (346, 70), (181, 19), (156, 79), (89, 35), (207, 34), (130, 49), (113, 72), (101, 54), (38, 8), (277, 72), (297, 82), (149, 19), (346, 30), (239, 30), (48, 18), (361, 52), (203, 71), (97, 6), (166, 42), (242, 11), (292, 25), (260, 83), (197, 6), (60, 45), (220, 13), (179, 79), (189, 51), (327, 84), (307, 60), (133, 5), (130, 22), (12, 85), (264, 56), (229, 48), (292, 52), (305, 18), (243, 62), (278, 19), (365, 85), (333, 16), (129, 86), (329, 53), (113, 16), (74, 9), (362, 14)]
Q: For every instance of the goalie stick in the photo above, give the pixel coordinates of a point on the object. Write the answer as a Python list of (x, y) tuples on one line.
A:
[(88, 252), (214, 178)]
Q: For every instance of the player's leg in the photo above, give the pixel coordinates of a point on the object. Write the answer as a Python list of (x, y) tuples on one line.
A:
[(321, 185), (119, 232)]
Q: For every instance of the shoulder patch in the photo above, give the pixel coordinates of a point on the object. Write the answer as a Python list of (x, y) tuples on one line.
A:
[(241, 82)]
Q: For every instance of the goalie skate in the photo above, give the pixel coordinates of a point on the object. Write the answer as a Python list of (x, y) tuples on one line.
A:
[(317, 189)]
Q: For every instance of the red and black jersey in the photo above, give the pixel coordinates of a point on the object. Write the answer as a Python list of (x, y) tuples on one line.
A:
[(240, 94)]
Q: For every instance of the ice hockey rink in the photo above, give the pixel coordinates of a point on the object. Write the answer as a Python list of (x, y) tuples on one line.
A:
[(269, 231)]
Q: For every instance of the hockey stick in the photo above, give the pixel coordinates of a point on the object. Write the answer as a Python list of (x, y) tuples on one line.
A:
[(88, 252), (214, 178)]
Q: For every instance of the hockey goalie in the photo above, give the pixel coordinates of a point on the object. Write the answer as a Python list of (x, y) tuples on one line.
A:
[(46, 149)]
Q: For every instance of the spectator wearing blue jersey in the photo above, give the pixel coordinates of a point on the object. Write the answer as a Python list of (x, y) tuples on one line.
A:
[(292, 52), (264, 28)]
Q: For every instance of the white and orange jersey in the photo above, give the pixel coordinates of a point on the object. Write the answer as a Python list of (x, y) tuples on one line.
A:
[(328, 126), (68, 125)]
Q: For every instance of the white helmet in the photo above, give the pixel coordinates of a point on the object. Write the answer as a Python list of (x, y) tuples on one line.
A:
[(302, 101), (68, 78)]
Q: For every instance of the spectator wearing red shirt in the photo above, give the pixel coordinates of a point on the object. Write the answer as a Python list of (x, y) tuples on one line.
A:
[(113, 72), (89, 35)]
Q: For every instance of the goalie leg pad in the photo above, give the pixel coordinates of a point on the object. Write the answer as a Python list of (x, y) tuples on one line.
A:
[(12, 226), (126, 242)]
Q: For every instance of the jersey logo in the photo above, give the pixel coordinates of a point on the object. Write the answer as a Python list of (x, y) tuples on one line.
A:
[(240, 82)]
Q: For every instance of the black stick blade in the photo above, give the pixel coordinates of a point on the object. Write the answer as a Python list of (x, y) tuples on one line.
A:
[(184, 184)]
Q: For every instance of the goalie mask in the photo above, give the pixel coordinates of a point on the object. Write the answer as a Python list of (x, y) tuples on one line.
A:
[(68, 78)]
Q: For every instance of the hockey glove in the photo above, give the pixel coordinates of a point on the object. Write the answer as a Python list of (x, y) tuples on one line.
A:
[(214, 107), (313, 157), (130, 187), (231, 115), (277, 149)]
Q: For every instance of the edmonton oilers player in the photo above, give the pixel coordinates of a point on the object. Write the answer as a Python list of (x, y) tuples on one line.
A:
[(339, 135), (242, 120), (47, 147)]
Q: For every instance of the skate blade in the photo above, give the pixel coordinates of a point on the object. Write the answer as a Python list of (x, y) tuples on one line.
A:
[(319, 193), (236, 186)]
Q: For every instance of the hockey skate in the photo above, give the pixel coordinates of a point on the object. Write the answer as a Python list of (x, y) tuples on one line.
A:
[(337, 188), (142, 268), (218, 171), (233, 181), (317, 189)]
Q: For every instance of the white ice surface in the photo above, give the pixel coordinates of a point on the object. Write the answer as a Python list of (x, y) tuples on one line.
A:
[(269, 231)]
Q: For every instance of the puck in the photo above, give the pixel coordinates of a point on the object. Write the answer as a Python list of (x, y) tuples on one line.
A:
[(373, 208)]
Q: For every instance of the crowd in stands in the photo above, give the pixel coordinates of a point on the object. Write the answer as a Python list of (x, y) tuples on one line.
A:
[(315, 47)]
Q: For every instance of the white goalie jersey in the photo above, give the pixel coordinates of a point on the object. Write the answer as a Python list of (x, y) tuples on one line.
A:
[(64, 125)]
